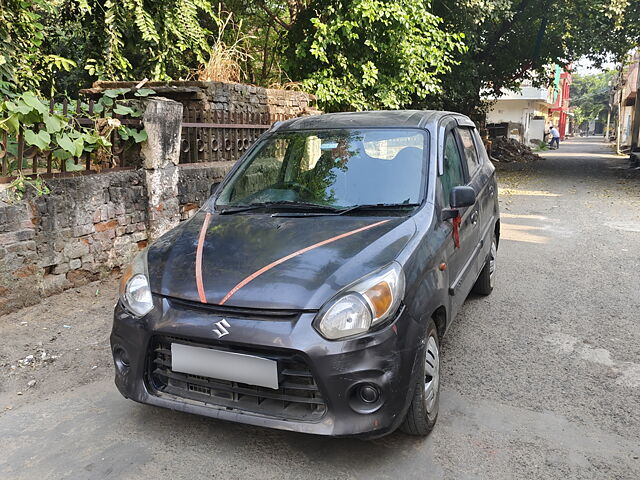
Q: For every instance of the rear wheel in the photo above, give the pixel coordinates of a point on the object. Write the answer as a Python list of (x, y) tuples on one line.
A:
[(484, 284), (423, 411)]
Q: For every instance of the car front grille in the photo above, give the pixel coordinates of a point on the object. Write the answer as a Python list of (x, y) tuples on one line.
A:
[(297, 398), (222, 310)]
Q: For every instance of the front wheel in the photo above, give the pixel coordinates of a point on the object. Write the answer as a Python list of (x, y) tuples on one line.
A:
[(486, 280), (423, 411)]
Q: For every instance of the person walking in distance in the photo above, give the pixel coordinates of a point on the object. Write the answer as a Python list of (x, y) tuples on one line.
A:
[(555, 137)]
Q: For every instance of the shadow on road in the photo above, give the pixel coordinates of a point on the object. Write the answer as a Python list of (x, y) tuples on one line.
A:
[(379, 458)]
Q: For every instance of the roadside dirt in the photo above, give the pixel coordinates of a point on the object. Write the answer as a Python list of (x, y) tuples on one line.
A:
[(60, 344)]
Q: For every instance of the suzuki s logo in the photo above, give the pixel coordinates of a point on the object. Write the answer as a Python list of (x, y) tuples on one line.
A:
[(221, 328)]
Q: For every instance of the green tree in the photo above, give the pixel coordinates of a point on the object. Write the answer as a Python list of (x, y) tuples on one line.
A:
[(265, 25), (590, 95), (157, 39), (353, 54), (101, 39), (368, 54), (510, 41), (23, 64)]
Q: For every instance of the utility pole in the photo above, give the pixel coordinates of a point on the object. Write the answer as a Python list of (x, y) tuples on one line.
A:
[(619, 122), (609, 108)]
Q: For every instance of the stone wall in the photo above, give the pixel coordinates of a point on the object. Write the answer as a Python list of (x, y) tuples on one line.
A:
[(90, 226), (195, 182), (86, 228), (210, 103), (225, 97)]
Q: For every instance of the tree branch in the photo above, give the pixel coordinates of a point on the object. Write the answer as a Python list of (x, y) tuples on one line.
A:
[(273, 16), (265, 54), (506, 25)]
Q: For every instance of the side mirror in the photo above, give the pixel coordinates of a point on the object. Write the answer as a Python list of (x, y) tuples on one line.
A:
[(462, 196), (214, 188)]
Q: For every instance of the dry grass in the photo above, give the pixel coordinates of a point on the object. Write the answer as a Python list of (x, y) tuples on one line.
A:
[(225, 59), (223, 65)]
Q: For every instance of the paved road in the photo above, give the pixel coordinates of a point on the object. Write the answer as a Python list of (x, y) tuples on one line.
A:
[(540, 380)]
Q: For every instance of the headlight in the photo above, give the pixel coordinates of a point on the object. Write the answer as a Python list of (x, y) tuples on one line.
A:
[(135, 292), (363, 304)]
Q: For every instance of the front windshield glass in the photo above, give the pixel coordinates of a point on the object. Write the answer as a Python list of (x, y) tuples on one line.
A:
[(336, 168)]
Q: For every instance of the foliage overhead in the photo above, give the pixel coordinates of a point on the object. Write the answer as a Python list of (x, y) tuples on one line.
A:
[(23, 65), (353, 54), (510, 41), (370, 54), (159, 39)]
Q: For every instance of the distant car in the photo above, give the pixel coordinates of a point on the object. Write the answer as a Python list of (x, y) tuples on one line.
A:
[(311, 291)]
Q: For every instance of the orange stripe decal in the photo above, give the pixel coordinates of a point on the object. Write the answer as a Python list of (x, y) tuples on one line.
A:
[(203, 233), (256, 274)]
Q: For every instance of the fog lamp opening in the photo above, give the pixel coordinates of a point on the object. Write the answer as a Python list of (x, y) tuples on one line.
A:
[(365, 398), (121, 360)]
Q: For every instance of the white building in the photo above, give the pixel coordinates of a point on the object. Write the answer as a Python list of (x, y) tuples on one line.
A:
[(524, 112)]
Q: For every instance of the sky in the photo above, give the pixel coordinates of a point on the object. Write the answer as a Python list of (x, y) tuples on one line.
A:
[(584, 66)]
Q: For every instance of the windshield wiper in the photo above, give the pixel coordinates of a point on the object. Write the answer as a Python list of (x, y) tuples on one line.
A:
[(314, 209), (377, 206), (342, 211), (278, 204)]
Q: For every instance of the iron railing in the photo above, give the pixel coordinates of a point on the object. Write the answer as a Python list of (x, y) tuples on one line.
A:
[(220, 136), (208, 135), (18, 158)]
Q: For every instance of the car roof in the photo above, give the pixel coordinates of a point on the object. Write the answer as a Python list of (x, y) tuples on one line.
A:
[(368, 119)]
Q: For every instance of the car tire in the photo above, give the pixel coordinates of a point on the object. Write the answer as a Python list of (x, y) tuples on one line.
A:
[(484, 284), (423, 411)]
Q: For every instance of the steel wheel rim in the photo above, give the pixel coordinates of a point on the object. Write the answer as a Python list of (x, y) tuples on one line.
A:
[(492, 262), (432, 374)]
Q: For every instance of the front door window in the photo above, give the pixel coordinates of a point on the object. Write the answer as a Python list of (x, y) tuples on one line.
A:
[(453, 175)]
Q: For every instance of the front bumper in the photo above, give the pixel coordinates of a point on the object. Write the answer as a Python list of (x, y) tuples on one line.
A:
[(385, 359)]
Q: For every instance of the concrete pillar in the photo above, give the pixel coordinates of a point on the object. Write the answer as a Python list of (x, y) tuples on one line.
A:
[(160, 156)]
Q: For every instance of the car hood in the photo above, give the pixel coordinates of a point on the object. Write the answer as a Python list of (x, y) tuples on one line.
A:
[(250, 251)]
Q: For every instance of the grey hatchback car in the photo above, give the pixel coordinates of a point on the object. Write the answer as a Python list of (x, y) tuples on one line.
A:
[(311, 291)]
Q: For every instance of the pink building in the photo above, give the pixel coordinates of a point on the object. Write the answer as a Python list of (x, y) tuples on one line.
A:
[(560, 109)]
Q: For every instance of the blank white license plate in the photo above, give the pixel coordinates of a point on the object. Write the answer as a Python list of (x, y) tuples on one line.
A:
[(235, 367)]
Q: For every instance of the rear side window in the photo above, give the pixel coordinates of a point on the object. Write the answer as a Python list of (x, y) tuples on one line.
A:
[(481, 150), (453, 175), (470, 153)]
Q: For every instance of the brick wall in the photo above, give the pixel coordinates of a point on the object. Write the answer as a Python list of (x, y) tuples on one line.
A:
[(249, 98), (226, 97), (86, 228)]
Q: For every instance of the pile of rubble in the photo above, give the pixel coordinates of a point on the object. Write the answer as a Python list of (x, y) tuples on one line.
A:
[(510, 150)]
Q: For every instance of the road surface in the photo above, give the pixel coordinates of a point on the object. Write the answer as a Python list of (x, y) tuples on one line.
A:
[(540, 380)]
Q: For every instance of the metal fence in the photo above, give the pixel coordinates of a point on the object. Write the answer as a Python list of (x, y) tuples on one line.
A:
[(18, 158), (219, 136), (208, 135)]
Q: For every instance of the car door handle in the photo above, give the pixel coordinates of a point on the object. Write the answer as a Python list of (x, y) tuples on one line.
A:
[(474, 217)]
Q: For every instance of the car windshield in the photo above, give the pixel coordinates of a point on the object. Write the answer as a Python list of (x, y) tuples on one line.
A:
[(331, 168)]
